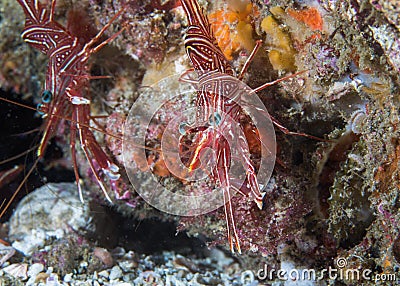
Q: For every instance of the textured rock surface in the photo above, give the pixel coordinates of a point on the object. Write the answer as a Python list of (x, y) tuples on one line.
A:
[(53, 210)]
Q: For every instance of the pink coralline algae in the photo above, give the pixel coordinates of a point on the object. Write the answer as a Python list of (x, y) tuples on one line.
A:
[(326, 61), (151, 28), (260, 231)]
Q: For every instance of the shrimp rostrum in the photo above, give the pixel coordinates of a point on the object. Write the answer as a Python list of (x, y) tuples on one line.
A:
[(65, 95)]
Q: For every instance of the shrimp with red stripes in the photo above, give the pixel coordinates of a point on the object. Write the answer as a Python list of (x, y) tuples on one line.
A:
[(211, 65), (220, 105), (66, 84)]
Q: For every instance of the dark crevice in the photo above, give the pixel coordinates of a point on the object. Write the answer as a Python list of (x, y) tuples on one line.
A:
[(20, 132), (145, 236)]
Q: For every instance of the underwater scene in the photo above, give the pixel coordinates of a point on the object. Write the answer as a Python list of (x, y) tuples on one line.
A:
[(199, 142)]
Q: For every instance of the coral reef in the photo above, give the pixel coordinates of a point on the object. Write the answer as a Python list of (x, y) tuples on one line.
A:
[(326, 201)]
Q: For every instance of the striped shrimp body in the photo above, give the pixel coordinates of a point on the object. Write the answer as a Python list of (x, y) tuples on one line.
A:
[(217, 101), (211, 65), (66, 82)]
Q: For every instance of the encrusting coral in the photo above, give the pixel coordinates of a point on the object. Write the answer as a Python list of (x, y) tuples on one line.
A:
[(232, 26)]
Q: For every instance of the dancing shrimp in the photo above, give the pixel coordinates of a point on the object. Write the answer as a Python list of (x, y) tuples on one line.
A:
[(207, 58), (66, 82), (214, 69)]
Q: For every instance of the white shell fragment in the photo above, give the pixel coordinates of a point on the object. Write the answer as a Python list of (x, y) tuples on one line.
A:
[(6, 252), (17, 270)]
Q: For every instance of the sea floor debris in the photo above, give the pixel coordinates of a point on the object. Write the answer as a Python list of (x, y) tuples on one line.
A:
[(67, 254)]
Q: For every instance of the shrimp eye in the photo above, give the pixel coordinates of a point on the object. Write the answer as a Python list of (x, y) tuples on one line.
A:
[(183, 127), (47, 96), (40, 109), (214, 119)]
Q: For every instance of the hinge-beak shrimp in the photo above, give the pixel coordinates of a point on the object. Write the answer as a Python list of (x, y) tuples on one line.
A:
[(66, 83), (209, 62)]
